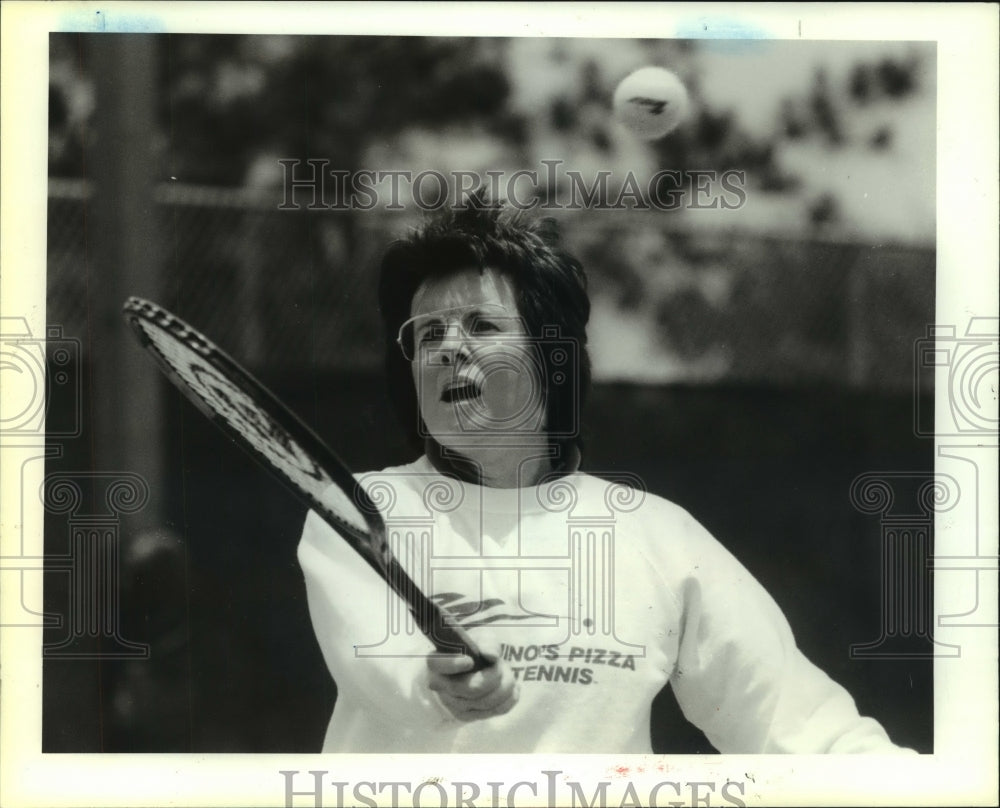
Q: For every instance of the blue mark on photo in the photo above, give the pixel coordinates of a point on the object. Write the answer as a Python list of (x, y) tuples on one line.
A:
[(110, 21), (724, 34)]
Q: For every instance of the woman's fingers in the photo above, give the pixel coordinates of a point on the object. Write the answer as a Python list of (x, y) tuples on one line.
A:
[(472, 695), (498, 703), (449, 664)]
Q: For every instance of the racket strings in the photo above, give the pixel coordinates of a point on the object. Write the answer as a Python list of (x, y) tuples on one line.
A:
[(267, 437)]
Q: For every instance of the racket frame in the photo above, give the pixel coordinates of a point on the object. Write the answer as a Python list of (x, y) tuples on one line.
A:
[(373, 547)]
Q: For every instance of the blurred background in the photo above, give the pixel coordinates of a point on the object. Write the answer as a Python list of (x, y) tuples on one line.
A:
[(749, 363)]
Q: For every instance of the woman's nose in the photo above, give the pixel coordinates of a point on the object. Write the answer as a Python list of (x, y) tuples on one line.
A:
[(454, 345)]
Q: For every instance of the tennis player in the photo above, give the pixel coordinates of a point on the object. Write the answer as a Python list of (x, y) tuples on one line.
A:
[(588, 595)]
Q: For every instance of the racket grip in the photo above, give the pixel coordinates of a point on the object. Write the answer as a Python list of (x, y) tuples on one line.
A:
[(447, 636), (452, 639)]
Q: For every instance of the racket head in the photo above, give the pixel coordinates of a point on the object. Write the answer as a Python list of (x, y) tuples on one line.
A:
[(257, 421)]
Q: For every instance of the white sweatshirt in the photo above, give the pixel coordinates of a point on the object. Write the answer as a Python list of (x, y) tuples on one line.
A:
[(596, 594)]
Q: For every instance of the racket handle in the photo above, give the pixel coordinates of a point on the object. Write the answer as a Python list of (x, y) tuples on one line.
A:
[(447, 637), (452, 639)]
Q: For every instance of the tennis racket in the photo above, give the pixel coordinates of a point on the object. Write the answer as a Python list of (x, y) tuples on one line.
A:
[(258, 422)]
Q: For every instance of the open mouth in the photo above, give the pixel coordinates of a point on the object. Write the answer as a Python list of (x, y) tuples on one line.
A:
[(461, 392)]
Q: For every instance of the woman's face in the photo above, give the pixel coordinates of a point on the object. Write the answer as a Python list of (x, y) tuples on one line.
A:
[(477, 373)]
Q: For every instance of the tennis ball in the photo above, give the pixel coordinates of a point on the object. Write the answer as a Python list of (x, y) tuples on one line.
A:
[(651, 102)]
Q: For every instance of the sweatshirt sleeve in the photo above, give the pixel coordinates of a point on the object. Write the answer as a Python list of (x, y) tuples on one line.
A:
[(741, 678), (348, 607)]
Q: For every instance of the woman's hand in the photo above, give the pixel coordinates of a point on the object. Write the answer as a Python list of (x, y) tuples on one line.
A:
[(476, 695)]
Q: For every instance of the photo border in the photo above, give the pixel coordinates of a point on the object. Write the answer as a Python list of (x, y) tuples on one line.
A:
[(963, 768)]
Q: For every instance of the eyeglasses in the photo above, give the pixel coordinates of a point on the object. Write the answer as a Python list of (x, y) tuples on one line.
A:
[(478, 323)]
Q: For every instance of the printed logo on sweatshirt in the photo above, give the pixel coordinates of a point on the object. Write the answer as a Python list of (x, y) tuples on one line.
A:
[(571, 664), (470, 613)]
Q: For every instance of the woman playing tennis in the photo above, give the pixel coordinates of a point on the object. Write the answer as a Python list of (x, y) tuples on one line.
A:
[(588, 595)]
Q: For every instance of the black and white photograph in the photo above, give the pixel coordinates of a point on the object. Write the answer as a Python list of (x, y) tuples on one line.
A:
[(438, 404)]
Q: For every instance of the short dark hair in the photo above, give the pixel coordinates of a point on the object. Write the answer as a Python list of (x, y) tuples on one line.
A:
[(550, 289)]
